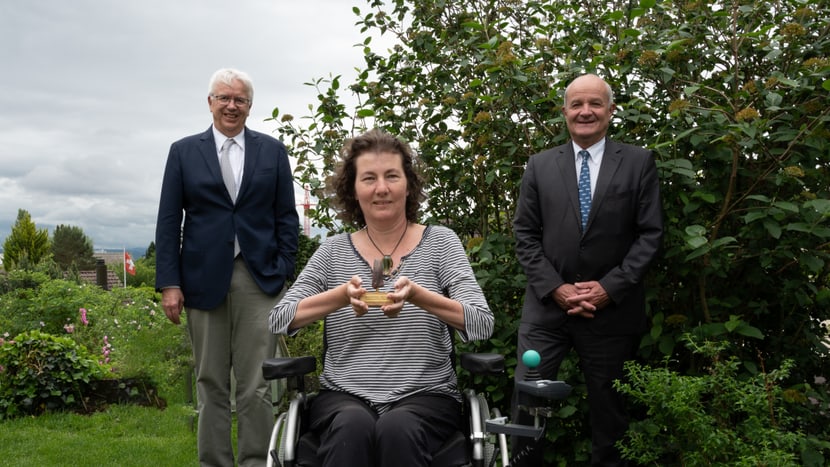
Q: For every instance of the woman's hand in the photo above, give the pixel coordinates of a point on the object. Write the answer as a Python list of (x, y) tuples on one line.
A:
[(354, 292), (404, 288)]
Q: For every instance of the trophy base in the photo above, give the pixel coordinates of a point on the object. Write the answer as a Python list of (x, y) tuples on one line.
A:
[(375, 298)]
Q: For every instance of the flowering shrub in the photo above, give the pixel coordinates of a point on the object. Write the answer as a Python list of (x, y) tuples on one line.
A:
[(40, 372), (40, 302), (124, 330)]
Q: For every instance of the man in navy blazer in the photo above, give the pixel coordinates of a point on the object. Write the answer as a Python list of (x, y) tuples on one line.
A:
[(585, 285), (227, 263)]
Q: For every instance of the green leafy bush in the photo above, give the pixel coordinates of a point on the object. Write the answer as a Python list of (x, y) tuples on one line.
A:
[(43, 372), (36, 301), (124, 328), (717, 418), (732, 99)]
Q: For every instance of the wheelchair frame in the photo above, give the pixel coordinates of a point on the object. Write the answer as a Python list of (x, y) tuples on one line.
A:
[(485, 426)]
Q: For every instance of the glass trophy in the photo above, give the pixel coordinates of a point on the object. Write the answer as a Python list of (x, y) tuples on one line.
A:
[(380, 269)]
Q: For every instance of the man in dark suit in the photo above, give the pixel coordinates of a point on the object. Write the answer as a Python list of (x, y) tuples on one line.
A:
[(227, 264), (585, 271)]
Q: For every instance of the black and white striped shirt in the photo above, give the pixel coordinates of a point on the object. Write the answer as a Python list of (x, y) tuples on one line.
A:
[(380, 359)]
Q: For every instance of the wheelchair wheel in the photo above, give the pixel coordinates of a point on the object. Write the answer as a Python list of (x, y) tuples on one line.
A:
[(276, 450), (489, 443), (282, 449)]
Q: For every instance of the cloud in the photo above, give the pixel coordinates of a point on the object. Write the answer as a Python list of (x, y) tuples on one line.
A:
[(95, 91)]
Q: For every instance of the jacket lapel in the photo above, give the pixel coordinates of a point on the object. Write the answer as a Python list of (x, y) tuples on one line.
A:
[(610, 163), (207, 149), (567, 172), (252, 145)]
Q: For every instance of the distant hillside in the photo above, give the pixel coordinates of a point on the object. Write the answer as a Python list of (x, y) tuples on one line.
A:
[(135, 252)]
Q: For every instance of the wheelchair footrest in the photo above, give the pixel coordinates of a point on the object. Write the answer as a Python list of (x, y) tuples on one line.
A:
[(498, 426)]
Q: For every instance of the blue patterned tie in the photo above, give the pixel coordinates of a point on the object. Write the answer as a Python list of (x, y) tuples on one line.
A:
[(584, 188)]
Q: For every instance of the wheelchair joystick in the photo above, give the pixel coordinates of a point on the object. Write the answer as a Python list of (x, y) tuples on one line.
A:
[(534, 386), (531, 360), (534, 396)]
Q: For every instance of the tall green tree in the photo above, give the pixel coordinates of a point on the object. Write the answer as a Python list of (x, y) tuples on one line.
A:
[(71, 248), (26, 245), (733, 96), (150, 254)]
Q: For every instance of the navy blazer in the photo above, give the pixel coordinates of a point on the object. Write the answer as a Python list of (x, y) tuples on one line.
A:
[(198, 255), (622, 237)]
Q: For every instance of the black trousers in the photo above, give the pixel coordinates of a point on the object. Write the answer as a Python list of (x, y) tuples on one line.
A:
[(601, 359), (353, 434)]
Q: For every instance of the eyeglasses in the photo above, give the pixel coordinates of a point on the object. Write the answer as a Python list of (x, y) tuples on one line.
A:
[(225, 100)]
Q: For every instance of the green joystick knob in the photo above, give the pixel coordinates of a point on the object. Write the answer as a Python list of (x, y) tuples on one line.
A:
[(531, 358)]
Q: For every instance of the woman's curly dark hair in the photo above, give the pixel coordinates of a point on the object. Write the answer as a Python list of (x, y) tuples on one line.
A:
[(343, 181)]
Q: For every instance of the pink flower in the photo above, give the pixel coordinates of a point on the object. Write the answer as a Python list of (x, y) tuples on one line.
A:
[(69, 328), (83, 316)]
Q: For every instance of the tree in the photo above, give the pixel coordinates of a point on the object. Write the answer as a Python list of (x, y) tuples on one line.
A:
[(150, 254), (145, 269), (72, 248), (733, 96), (25, 246)]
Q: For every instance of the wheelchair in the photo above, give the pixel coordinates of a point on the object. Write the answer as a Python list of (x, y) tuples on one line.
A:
[(483, 440)]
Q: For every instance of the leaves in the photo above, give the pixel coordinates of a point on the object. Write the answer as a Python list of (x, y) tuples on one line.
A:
[(731, 98), (26, 245)]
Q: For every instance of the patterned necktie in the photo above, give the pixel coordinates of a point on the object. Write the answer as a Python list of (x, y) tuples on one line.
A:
[(584, 188), (227, 171)]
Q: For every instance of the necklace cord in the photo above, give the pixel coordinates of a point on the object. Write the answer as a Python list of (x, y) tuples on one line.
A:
[(406, 227)]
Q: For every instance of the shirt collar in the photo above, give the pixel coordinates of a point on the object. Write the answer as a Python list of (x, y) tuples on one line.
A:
[(596, 151), (219, 138)]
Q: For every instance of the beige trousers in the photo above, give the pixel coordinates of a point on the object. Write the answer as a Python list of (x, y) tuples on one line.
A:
[(232, 340)]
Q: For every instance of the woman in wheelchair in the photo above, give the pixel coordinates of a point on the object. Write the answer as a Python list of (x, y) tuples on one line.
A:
[(389, 395)]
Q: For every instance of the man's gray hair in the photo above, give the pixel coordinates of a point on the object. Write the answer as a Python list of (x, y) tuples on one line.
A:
[(228, 76)]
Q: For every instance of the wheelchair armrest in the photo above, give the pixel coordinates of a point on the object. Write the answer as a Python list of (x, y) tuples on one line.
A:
[(286, 367), (483, 363), (544, 389)]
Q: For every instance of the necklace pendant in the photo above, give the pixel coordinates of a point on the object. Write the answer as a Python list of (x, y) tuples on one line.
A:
[(387, 265)]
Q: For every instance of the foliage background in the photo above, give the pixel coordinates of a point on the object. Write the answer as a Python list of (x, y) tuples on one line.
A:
[(733, 97)]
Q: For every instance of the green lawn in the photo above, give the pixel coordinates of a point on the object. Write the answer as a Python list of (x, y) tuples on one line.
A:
[(124, 435)]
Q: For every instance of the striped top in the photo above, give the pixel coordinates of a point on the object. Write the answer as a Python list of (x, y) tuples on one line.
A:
[(380, 359)]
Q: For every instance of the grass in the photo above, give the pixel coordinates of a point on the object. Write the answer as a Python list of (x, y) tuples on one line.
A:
[(124, 435), (144, 344)]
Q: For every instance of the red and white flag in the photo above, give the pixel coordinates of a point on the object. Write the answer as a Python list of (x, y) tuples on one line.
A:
[(129, 266)]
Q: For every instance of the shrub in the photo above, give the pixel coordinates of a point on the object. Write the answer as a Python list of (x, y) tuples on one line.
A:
[(124, 328), (36, 301), (43, 372), (718, 418)]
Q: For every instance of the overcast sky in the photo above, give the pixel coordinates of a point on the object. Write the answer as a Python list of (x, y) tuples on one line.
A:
[(93, 92)]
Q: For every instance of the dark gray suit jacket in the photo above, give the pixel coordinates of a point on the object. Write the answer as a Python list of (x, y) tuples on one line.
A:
[(623, 234)]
